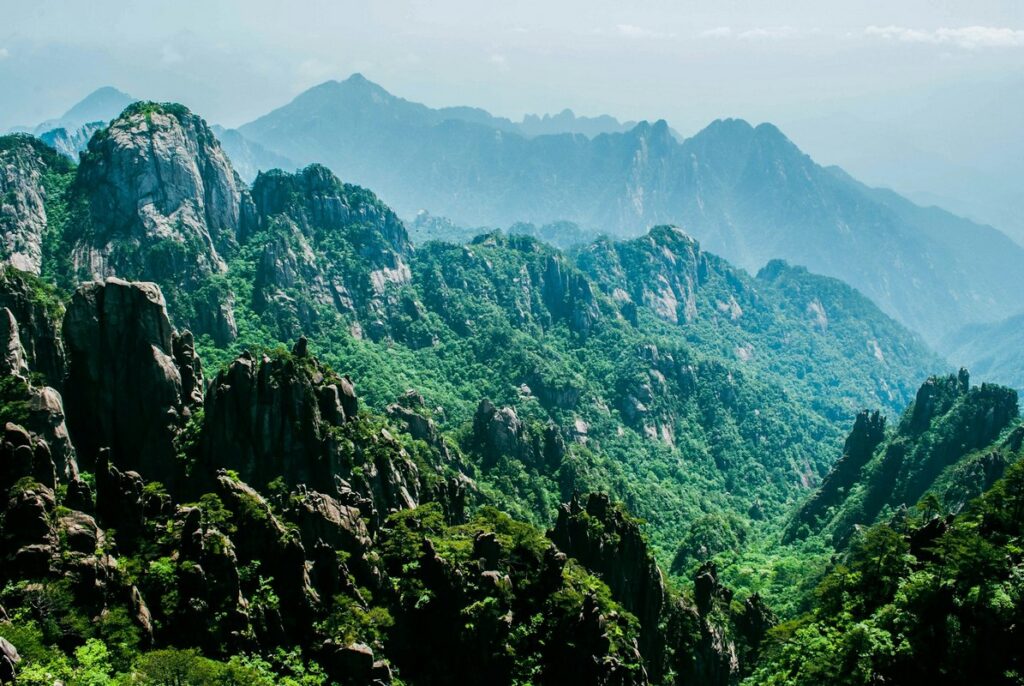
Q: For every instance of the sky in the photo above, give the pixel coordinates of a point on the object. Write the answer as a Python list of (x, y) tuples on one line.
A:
[(913, 94)]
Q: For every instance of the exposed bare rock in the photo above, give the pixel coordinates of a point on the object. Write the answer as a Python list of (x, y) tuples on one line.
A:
[(24, 161), (37, 313), (164, 205), (12, 355), (135, 408)]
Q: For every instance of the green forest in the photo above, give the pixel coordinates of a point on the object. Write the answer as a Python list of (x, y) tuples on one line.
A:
[(287, 445)]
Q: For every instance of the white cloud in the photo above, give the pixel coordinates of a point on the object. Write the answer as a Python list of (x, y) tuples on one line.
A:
[(632, 31), (4, 53), (967, 37), (769, 32), (717, 32), (756, 33)]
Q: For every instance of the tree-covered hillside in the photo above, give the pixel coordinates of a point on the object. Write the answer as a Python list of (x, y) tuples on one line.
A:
[(195, 484), (748, 193), (649, 368)]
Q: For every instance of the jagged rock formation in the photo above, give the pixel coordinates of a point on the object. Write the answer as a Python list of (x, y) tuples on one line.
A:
[(499, 434), (324, 244), (37, 312), (935, 439), (128, 390), (164, 205), (616, 549), (699, 642), (26, 168), (302, 555), (662, 270), (12, 354), (867, 434)]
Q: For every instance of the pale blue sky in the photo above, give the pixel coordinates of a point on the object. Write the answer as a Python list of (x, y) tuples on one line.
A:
[(850, 81)]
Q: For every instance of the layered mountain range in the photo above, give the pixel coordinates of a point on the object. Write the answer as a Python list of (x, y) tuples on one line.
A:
[(254, 507), (747, 193)]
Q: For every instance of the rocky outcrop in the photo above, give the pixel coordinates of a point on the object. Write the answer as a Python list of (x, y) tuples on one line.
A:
[(498, 433), (867, 434), (27, 481), (157, 173), (164, 205), (12, 355), (37, 312), (606, 540), (128, 390), (24, 164), (288, 417), (662, 270), (711, 655), (931, 448), (411, 415), (313, 226), (568, 295)]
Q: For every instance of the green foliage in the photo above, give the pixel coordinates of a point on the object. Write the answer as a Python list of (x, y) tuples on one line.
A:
[(947, 612)]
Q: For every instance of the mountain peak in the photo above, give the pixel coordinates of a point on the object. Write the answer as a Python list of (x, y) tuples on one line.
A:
[(103, 104), (98, 105)]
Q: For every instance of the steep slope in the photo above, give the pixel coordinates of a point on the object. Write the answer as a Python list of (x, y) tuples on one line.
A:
[(160, 201), (935, 449), (746, 192), (361, 571), (33, 182), (71, 142), (995, 352), (649, 369), (928, 597)]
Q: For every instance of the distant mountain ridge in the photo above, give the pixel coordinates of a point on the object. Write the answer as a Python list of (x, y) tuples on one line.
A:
[(102, 105), (748, 193)]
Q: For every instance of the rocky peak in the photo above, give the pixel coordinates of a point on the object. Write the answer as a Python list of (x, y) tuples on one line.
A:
[(867, 434), (163, 202), (662, 270), (325, 243), (125, 378), (321, 204), (25, 166), (498, 434), (608, 541), (935, 397), (37, 312)]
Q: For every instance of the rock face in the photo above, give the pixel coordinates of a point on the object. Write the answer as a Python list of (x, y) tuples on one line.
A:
[(499, 434), (37, 314), (24, 164), (287, 417), (12, 355), (867, 433), (948, 420), (662, 270), (620, 557), (164, 204), (125, 384), (326, 244)]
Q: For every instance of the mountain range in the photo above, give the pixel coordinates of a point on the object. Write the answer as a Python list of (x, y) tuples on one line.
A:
[(196, 492), (746, 192)]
